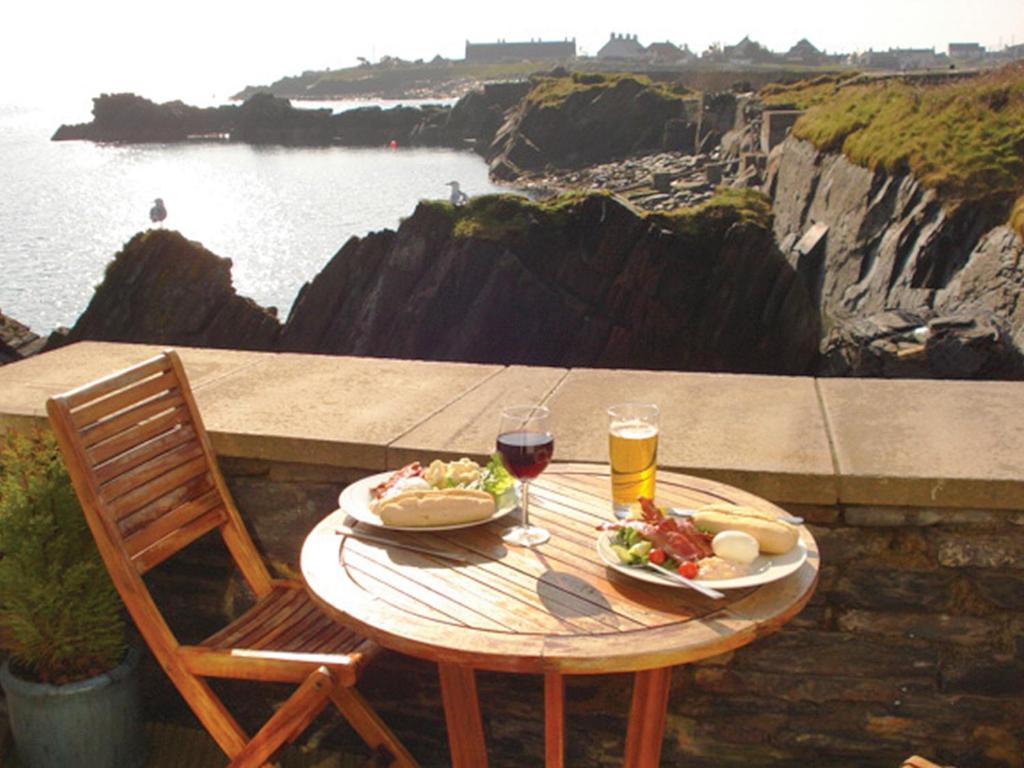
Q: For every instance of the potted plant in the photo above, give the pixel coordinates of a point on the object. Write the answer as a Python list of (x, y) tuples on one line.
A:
[(70, 681)]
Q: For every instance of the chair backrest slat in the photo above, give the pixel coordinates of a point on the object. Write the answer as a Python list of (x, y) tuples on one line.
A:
[(191, 477), (146, 536), (120, 399), (177, 540), (183, 449), (149, 449), (108, 428), (135, 436), (116, 381)]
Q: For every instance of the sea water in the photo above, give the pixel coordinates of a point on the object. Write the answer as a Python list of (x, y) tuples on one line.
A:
[(279, 213)]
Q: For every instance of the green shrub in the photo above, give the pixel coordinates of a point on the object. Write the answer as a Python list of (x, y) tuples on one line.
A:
[(61, 619)]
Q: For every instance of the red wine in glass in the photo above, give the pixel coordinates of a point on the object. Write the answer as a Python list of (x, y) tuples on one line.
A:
[(526, 443), (526, 454)]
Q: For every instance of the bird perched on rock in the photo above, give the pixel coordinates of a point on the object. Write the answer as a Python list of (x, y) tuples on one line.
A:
[(157, 213), (458, 197)]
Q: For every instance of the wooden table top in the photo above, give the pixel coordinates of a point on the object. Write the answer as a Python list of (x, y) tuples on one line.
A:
[(554, 608)]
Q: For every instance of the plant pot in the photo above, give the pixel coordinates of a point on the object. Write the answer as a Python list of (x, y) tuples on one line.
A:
[(95, 722)]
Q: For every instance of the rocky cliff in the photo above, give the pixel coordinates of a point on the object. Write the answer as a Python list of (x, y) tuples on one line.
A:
[(580, 119), (164, 289), (583, 281), (579, 281), (867, 241)]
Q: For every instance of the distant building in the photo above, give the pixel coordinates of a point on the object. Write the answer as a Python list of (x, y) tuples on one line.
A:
[(535, 50), (747, 51), (1014, 52), (805, 53), (668, 53), (966, 51), (903, 59), (622, 47)]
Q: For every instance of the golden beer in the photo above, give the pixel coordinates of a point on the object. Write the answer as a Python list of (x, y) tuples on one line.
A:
[(633, 452)]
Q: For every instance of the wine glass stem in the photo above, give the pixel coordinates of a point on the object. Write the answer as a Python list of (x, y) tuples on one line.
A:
[(526, 503)]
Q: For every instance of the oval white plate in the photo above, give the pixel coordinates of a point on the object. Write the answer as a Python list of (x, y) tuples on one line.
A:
[(355, 501), (766, 568)]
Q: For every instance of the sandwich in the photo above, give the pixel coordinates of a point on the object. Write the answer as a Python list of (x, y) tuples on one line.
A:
[(773, 536), (443, 493)]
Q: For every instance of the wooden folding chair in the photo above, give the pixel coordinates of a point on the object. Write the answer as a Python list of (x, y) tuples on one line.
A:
[(146, 474)]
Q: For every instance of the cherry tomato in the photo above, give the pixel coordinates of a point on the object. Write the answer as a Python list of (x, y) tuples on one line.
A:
[(688, 570), (656, 556)]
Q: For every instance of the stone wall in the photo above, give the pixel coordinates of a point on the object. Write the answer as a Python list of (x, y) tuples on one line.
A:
[(913, 643)]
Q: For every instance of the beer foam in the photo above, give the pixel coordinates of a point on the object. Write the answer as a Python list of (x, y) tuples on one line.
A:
[(633, 430)]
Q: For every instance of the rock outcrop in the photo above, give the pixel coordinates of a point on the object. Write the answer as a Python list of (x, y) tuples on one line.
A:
[(866, 242), (17, 340), (572, 121), (589, 282), (164, 289)]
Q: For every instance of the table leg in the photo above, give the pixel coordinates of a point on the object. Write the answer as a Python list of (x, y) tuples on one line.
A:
[(646, 729), (554, 720), (462, 714)]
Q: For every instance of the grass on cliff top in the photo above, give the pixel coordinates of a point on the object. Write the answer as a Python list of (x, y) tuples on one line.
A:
[(713, 217), (553, 91), (964, 138), (802, 94), (501, 217)]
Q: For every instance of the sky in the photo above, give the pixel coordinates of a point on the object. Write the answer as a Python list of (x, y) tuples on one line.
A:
[(202, 51)]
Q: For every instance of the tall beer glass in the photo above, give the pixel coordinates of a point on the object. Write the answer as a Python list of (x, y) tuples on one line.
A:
[(633, 453)]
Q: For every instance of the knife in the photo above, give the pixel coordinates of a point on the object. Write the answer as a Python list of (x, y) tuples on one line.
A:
[(345, 530)]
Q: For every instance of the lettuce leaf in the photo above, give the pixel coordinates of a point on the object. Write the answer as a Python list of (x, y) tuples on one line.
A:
[(495, 478)]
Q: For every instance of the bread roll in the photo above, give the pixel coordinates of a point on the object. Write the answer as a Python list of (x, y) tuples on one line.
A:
[(774, 536), (450, 506)]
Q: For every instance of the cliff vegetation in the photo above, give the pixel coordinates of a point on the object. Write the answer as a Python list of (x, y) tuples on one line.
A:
[(964, 138), (554, 91)]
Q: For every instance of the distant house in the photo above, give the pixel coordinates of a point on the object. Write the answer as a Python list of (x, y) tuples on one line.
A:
[(804, 52), (966, 51), (903, 59), (747, 51), (535, 50), (668, 53), (622, 47), (1014, 52)]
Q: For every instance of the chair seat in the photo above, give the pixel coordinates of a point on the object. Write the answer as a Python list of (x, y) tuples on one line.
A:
[(282, 637)]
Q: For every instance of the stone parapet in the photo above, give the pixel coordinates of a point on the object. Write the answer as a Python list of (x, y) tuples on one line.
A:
[(897, 443)]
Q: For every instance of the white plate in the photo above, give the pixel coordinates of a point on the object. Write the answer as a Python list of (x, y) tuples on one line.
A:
[(355, 501), (766, 568)]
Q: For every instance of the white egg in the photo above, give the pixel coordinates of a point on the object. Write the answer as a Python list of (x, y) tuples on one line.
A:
[(736, 546)]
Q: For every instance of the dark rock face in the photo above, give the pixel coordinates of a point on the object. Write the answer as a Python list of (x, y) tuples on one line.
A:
[(164, 289), (591, 125), (866, 242), (599, 286), (266, 119), (16, 340), (901, 344)]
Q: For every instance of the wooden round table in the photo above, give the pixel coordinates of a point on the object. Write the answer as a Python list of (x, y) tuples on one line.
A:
[(554, 610)]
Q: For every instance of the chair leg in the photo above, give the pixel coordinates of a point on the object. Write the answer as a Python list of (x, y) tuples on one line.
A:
[(289, 721), (370, 727)]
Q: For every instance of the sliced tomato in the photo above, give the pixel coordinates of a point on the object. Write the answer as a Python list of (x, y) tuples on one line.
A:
[(656, 556), (688, 570)]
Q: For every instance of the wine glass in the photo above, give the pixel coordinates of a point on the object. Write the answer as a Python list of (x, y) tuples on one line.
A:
[(526, 444)]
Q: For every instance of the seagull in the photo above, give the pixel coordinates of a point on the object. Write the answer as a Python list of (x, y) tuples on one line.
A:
[(458, 197), (157, 213)]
